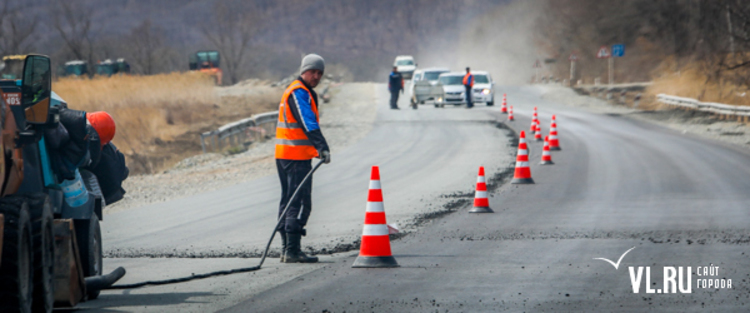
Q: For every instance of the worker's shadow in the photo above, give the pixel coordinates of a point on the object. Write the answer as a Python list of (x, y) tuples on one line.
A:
[(153, 299)]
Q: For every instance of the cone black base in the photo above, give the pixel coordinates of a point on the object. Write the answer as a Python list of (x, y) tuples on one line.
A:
[(522, 181), (375, 261), (481, 210), (547, 163), (555, 148)]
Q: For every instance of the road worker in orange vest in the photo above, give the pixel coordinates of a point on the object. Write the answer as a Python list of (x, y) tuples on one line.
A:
[(298, 141), (468, 84)]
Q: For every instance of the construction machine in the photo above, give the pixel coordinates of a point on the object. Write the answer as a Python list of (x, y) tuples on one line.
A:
[(76, 68), (108, 67), (50, 250), (207, 62)]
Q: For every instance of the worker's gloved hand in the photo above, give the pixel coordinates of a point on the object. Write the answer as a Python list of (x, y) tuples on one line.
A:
[(325, 155)]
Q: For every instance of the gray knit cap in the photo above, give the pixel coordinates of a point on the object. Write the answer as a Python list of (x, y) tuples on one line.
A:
[(312, 62)]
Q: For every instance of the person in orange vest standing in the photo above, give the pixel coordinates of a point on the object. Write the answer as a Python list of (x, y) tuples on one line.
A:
[(468, 84), (298, 141)]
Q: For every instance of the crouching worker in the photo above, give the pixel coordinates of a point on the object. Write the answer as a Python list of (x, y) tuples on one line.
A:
[(109, 168), (82, 141), (298, 141)]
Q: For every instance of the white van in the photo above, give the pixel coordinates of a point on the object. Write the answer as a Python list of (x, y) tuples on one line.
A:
[(424, 85), (405, 65)]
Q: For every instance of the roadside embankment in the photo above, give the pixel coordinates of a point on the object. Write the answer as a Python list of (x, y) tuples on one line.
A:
[(344, 120), (686, 121), (159, 117)]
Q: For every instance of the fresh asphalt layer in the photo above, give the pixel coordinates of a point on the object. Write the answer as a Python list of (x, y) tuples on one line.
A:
[(428, 161), (681, 201)]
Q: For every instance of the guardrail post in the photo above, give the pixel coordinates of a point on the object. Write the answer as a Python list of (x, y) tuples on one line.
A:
[(203, 143)]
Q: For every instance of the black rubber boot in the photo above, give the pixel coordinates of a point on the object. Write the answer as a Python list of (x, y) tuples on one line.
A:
[(294, 252), (283, 246)]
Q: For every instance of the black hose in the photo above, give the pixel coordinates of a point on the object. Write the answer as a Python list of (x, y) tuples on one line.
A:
[(232, 271)]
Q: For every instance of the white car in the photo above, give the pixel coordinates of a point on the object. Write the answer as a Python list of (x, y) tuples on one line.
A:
[(424, 85), (483, 90), (405, 65), (453, 89)]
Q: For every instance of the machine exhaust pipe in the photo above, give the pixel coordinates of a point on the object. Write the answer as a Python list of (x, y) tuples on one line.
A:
[(104, 281)]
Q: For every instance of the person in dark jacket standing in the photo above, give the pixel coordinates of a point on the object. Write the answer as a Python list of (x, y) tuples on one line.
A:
[(468, 84), (298, 141), (395, 84)]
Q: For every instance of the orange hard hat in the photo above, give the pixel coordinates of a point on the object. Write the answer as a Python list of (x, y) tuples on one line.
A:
[(103, 124)]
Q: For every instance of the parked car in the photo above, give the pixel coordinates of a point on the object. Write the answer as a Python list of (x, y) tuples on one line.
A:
[(453, 89), (424, 85), (483, 90), (405, 65)]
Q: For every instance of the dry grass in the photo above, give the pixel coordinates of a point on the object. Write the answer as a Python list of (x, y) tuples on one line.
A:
[(692, 83), (159, 118)]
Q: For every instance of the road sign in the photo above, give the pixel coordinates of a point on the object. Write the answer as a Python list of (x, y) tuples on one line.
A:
[(603, 53), (573, 57), (618, 50)]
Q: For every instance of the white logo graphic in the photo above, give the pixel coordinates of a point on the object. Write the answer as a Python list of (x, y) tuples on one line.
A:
[(616, 265)]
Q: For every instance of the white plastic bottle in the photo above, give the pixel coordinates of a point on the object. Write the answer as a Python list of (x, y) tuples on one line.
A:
[(75, 191)]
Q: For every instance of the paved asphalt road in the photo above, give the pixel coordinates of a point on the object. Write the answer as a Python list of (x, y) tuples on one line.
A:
[(617, 184)]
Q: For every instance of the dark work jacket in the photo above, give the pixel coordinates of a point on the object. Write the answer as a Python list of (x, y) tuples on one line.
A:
[(110, 171), (72, 144), (395, 82), (315, 136)]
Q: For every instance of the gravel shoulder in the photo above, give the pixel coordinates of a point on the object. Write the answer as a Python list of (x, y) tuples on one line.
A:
[(344, 120), (687, 122)]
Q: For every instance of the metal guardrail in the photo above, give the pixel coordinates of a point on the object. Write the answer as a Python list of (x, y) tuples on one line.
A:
[(255, 127), (711, 107)]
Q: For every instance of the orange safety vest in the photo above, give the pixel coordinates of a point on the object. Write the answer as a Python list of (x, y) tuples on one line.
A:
[(469, 80), (291, 141)]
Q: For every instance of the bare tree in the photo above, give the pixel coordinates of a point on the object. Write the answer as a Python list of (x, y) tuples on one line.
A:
[(233, 25), (146, 43), (16, 28), (72, 20)]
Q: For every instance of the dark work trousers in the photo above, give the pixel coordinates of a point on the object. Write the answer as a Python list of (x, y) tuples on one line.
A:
[(291, 174), (469, 103), (394, 99)]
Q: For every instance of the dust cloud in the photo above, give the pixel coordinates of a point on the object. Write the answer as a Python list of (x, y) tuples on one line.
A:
[(500, 41)]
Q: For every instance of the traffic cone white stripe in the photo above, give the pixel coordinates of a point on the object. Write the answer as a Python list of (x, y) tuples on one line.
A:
[(480, 194), (480, 179), (522, 164), (523, 152), (375, 184), (375, 230), (375, 207)]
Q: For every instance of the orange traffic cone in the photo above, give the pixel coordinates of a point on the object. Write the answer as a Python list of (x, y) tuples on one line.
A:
[(538, 133), (554, 143), (375, 249), (534, 121), (504, 107), (523, 172), (546, 155), (481, 203), (510, 114)]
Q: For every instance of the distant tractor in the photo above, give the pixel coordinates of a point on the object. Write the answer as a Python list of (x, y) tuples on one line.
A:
[(76, 68), (207, 62), (108, 68)]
